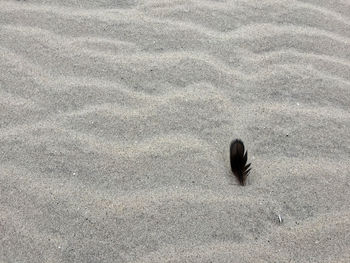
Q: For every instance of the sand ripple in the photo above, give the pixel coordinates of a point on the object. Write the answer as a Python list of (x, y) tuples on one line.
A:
[(115, 120)]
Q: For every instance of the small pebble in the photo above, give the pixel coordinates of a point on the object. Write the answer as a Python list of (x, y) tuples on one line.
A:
[(280, 219)]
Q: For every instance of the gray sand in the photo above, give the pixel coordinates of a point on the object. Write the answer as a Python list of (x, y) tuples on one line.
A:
[(116, 119)]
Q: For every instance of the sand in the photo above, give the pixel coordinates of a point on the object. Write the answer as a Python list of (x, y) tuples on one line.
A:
[(116, 119)]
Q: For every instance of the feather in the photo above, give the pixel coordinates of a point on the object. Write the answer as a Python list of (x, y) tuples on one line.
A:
[(238, 159)]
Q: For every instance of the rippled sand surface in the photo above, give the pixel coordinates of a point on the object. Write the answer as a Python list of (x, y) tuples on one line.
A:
[(116, 119)]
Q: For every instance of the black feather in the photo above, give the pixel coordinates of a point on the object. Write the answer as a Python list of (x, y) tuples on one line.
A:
[(238, 161)]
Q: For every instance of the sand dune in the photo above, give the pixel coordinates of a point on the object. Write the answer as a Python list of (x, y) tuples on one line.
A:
[(116, 118)]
